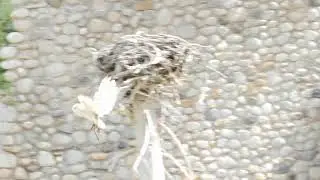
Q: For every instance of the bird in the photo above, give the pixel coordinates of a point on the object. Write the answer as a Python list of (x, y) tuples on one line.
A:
[(102, 103)]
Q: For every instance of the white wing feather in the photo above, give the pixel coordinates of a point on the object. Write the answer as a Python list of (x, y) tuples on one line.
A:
[(106, 96), (88, 103), (80, 110), (102, 104)]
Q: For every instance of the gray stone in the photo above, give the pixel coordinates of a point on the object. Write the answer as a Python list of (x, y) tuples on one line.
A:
[(70, 177), (274, 78), (54, 3), (198, 166), (234, 144), (286, 27), (46, 158), (202, 144), (98, 26), (61, 140), (15, 37), (75, 17), (311, 35), (227, 162), (8, 52), (282, 57), (114, 136), (221, 142), (20, 173), (300, 166), (8, 114), (260, 176), (234, 38), (221, 173), (207, 176), (215, 39), (25, 85), (102, 137), (7, 160), (78, 42), (243, 134), (237, 15), (225, 113), (208, 30), (5, 173), (256, 110), (278, 142), (11, 64), (193, 126), (41, 108), (63, 39), (55, 69), (164, 17), (305, 155), (286, 151), (187, 31), (11, 76), (9, 128), (213, 167), (282, 38), (20, 13), (113, 16), (253, 43), (45, 46), (22, 25), (267, 108), (254, 142), (60, 19), (35, 174), (203, 13), (123, 173), (228, 133), (44, 121), (116, 27), (309, 145), (242, 173), (31, 63), (207, 134), (55, 177), (314, 173), (77, 168), (301, 176), (211, 21), (73, 157), (70, 29), (283, 166), (79, 137)]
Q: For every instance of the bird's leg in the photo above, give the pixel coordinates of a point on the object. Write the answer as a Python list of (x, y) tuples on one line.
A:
[(93, 126), (95, 129), (95, 132)]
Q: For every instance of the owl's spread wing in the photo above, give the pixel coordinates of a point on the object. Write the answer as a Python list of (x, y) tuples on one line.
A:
[(106, 96), (80, 110), (88, 103)]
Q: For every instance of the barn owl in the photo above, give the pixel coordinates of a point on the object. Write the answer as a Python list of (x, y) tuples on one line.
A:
[(102, 103)]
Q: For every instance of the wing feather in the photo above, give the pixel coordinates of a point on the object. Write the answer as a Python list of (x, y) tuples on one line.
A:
[(81, 110), (106, 96), (88, 103)]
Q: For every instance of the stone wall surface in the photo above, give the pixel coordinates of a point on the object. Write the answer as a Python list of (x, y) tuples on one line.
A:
[(261, 119)]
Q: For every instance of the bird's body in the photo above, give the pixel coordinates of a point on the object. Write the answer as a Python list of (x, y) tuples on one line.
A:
[(102, 103)]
